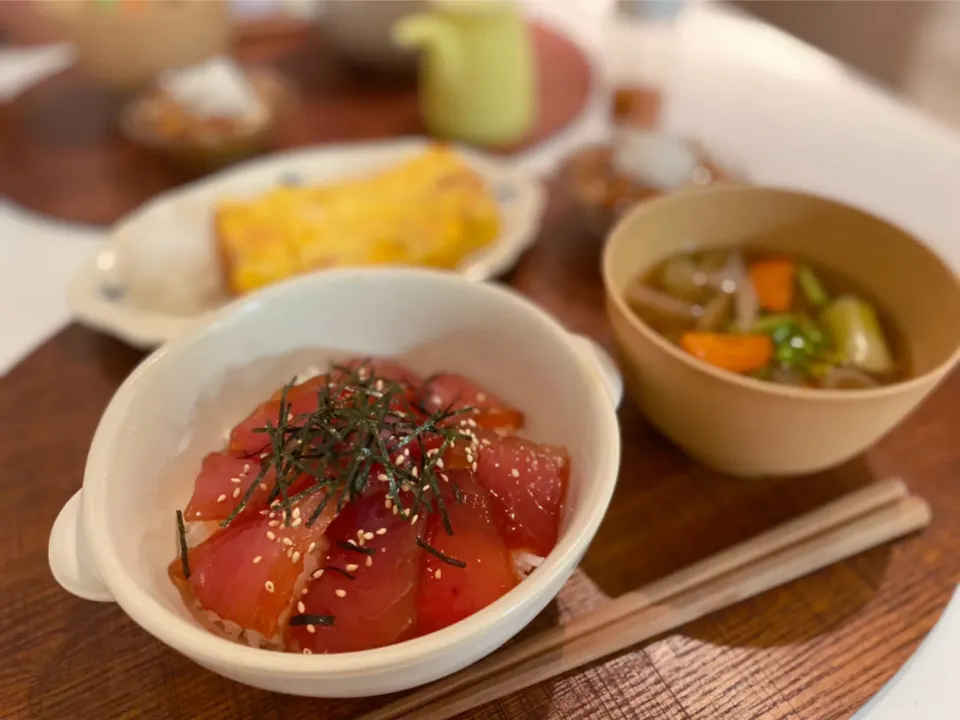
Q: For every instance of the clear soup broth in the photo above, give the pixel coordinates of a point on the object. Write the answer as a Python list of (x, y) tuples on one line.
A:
[(771, 316)]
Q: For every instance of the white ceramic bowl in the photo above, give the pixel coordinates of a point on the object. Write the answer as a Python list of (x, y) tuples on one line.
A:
[(114, 539)]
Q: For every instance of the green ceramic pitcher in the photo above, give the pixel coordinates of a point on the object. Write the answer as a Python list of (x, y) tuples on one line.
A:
[(477, 78)]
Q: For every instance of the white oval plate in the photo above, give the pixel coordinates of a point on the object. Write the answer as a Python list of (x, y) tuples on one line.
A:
[(159, 274)]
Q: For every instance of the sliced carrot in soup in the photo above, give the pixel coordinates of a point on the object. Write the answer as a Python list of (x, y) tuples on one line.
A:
[(773, 281), (737, 353)]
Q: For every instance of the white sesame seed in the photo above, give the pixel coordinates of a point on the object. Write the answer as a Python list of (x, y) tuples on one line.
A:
[(304, 591), (406, 452), (271, 535), (481, 397), (382, 531), (295, 556), (352, 568), (236, 493), (473, 467), (414, 520), (317, 574), (436, 576), (515, 472), (269, 586), (440, 463), (311, 629), (296, 512), (263, 486), (273, 523), (436, 400), (406, 512), (350, 541), (361, 542), (221, 498), (404, 488), (257, 559), (307, 651), (395, 509), (382, 477), (368, 536), (235, 480), (444, 477), (388, 503), (340, 593), (289, 417), (415, 472), (296, 522), (301, 608), (263, 455), (287, 541), (369, 561), (272, 515), (246, 468), (399, 460), (311, 547)]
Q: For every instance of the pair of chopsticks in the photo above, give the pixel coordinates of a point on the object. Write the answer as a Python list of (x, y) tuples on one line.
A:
[(861, 520)]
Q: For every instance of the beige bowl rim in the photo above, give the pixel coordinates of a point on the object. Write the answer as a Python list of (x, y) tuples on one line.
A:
[(617, 235)]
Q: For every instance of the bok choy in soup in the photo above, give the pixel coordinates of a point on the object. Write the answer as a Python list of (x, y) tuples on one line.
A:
[(770, 316)]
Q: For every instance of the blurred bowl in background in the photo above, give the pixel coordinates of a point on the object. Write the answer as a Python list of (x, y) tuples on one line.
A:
[(360, 31), (124, 45), (200, 145)]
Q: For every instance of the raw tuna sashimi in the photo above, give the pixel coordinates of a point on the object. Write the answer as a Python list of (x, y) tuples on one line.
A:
[(456, 392), (223, 481), (246, 438), (249, 572), (448, 593), (369, 582), (527, 483)]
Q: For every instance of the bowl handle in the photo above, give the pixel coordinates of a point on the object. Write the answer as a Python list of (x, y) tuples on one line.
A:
[(602, 365), (69, 554)]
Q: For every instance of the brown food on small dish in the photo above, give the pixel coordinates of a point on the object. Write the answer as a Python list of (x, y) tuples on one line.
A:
[(202, 144), (602, 194)]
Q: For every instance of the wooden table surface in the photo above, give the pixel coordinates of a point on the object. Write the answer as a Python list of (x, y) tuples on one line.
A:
[(817, 648)]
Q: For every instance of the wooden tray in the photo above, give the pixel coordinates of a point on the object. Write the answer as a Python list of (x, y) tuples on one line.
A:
[(62, 135), (817, 648)]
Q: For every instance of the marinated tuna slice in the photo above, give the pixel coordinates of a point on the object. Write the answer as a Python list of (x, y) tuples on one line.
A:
[(527, 484), (221, 485), (368, 585), (471, 568), (246, 576), (456, 392), (247, 438)]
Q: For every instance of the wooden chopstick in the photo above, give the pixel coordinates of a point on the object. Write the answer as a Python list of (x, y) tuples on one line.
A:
[(868, 531), (831, 515)]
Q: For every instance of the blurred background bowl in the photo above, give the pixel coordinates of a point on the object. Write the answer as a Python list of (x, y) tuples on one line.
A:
[(360, 30), (748, 427), (123, 46)]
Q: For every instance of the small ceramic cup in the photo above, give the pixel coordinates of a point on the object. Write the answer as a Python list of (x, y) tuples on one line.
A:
[(114, 538), (747, 427)]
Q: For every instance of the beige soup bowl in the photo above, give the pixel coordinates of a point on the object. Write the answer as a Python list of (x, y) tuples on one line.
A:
[(747, 427)]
